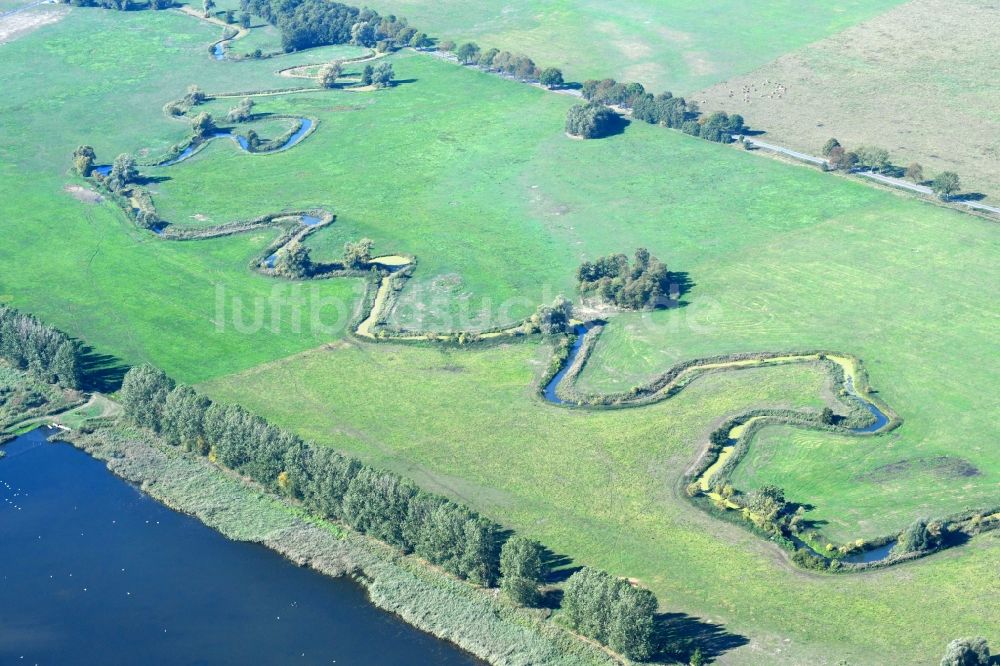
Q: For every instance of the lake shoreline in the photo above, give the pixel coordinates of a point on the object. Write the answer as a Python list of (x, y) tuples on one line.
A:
[(474, 620)]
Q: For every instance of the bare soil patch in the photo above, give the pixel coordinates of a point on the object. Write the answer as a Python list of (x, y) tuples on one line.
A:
[(920, 81), (84, 194)]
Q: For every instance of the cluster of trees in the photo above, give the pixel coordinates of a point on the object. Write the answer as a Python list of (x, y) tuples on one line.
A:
[(634, 287), (552, 319), (121, 5), (294, 261), (357, 254), (203, 125), (612, 611), (864, 157), (379, 76), (920, 537), (967, 652), (42, 350), (242, 112), (663, 109), (124, 172), (876, 159), (306, 23), (515, 65), (387, 507), (591, 120)]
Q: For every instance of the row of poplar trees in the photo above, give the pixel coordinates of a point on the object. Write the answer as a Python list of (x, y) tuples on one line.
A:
[(43, 351), (385, 506)]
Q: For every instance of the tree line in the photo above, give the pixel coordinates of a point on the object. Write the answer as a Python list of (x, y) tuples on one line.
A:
[(663, 109), (873, 158), (44, 351), (514, 65), (643, 284), (383, 505), (307, 23)]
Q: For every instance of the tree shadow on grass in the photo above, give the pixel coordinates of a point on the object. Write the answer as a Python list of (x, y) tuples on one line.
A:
[(968, 196), (679, 634), (615, 126), (100, 372), (680, 284)]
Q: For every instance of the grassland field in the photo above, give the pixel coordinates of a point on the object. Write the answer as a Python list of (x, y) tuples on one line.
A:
[(473, 175), (664, 44), (917, 80)]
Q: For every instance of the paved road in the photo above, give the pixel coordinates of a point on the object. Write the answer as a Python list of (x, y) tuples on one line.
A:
[(11, 12), (888, 180)]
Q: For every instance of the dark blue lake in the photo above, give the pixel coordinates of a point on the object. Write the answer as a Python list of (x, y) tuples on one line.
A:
[(94, 572)]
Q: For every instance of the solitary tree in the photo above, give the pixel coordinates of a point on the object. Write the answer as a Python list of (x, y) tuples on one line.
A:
[(357, 255), (828, 147), (230, 16), (382, 75), (208, 6), (446, 46), (242, 112), (521, 570), (328, 74), (245, 21), (916, 538), (467, 53), (967, 652), (123, 171), (420, 40), (294, 262), (194, 96), (203, 125), (914, 172), (83, 160), (366, 75), (827, 416), (551, 78), (945, 184), (552, 319), (873, 157)]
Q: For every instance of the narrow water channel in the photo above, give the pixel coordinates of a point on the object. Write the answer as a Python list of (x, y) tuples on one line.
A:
[(94, 572)]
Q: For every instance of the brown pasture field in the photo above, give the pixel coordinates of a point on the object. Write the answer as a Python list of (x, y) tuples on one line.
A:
[(922, 80)]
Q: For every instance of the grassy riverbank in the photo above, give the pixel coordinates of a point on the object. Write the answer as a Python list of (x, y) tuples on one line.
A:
[(473, 175), (605, 488), (474, 619)]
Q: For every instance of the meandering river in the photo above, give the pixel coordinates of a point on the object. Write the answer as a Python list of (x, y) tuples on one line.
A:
[(94, 572)]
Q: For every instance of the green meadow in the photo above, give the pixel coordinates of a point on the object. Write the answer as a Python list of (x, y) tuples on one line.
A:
[(474, 176), (664, 44)]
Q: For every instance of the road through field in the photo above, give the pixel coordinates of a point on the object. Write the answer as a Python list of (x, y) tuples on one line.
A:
[(774, 148)]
